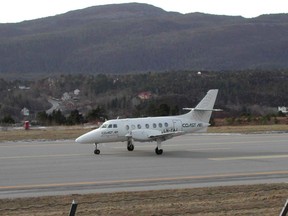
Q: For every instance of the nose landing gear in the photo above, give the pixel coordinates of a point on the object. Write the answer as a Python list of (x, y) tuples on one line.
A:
[(96, 151)]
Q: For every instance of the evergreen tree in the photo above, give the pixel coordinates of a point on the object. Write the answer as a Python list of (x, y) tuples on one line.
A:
[(75, 118), (8, 120)]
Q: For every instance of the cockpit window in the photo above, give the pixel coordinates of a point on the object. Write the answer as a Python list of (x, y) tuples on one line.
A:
[(104, 126), (110, 126), (114, 125)]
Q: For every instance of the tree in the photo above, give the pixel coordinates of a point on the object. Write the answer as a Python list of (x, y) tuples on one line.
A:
[(75, 118), (42, 117), (175, 110), (57, 117), (8, 120), (96, 114), (164, 110)]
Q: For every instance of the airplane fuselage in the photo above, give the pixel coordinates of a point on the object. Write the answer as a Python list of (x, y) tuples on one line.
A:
[(121, 129), (156, 129)]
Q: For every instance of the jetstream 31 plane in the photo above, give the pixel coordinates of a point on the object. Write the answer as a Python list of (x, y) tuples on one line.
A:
[(151, 129)]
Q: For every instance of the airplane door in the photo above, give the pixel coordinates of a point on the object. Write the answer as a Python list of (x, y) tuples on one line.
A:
[(177, 125)]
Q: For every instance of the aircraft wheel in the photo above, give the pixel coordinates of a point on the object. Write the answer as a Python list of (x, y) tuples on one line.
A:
[(97, 151), (130, 147), (158, 151)]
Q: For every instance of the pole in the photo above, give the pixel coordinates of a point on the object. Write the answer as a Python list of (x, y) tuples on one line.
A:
[(285, 209), (73, 208)]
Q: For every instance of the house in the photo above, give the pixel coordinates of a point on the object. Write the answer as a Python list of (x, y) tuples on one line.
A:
[(25, 111), (145, 95), (283, 109)]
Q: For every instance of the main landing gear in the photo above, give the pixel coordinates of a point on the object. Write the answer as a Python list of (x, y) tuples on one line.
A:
[(159, 149), (130, 146), (96, 151)]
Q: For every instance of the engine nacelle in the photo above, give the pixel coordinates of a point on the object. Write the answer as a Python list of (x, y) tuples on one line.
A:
[(144, 135)]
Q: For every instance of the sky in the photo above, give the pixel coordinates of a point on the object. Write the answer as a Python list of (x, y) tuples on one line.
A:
[(20, 10)]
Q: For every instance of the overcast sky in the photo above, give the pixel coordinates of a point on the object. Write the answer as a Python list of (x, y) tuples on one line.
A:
[(19, 10)]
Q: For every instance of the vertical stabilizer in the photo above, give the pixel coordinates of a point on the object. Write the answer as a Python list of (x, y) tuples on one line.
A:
[(202, 112), (207, 103)]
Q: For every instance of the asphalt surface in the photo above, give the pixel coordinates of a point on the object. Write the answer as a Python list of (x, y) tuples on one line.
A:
[(37, 168)]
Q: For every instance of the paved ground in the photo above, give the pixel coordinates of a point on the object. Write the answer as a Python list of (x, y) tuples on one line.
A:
[(63, 167)]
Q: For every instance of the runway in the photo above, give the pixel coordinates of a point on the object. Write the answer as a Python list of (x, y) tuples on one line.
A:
[(38, 168)]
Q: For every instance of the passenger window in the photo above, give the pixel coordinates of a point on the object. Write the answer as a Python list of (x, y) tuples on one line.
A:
[(147, 126), (160, 125), (114, 125), (127, 127), (139, 126), (110, 126), (154, 125), (166, 124)]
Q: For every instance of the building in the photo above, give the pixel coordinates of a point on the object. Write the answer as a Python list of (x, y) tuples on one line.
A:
[(283, 109), (25, 111), (145, 95)]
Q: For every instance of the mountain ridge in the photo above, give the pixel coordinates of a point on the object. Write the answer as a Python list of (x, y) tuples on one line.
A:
[(134, 37)]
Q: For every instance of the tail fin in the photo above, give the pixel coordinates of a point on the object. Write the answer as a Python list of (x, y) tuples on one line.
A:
[(202, 112)]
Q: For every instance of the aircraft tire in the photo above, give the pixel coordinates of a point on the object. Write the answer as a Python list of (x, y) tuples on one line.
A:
[(97, 151), (130, 147), (158, 151)]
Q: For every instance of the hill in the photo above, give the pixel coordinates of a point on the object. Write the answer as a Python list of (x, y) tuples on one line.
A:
[(136, 37)]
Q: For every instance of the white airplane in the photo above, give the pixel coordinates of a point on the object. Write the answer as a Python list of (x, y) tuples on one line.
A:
[(153, 128)]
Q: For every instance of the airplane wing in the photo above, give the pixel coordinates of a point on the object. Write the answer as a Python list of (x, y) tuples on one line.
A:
[(150, 135), (167, 135)]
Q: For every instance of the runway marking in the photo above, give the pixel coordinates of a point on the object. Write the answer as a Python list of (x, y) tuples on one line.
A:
[(248, 142), (34, 145), (207, 136), (250, 157), (107, 182), (168, 146), (235, 142), (68, 155), (208, 149), (42, 156)]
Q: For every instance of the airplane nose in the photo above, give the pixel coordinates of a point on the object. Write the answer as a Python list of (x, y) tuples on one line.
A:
[(89, 137), (79, 140)]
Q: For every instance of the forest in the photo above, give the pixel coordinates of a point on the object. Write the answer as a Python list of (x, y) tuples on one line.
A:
[(84, 98)]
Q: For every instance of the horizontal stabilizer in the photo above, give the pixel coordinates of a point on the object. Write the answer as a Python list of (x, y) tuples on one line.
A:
[(199, 109)]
